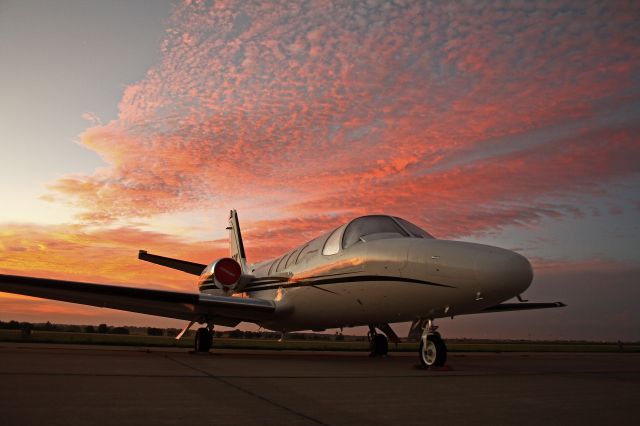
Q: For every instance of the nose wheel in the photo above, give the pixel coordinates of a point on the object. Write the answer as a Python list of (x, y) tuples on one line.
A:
[(433, 351)]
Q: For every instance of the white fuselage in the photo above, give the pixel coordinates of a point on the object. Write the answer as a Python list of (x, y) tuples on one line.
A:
[(386, 280)]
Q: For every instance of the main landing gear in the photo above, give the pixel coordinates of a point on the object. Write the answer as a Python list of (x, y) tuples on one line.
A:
[(433, 351), (203, 340), (378, 343)]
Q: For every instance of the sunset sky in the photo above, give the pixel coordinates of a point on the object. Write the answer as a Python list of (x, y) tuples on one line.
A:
[(138, 125)]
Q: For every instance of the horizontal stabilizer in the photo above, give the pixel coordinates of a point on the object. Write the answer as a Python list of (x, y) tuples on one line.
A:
[(504, 307), (181, 265)]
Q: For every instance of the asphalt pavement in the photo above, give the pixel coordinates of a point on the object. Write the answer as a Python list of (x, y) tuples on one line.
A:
[(78, 385)]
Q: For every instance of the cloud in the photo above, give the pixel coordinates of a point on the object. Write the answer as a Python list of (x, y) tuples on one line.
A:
[(558, 266), (92, 118), (80, 253), (496, 191), (344, 108), (350, 107), (99, 255)]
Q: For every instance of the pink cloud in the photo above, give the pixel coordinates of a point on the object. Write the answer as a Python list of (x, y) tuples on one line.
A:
[(348, 109)]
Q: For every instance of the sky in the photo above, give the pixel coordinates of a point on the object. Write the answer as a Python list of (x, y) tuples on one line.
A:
[(138, 125)]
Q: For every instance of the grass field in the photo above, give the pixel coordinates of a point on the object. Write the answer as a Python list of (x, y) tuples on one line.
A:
[(311, 345)]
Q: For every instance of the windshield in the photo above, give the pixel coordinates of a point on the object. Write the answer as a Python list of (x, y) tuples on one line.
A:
[(413, 229), (378, 227), (368, 225)]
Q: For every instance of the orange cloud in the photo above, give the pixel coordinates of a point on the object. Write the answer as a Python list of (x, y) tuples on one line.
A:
[(80, 253)]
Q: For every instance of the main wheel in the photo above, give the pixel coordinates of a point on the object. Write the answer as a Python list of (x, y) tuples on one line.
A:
[(379, 345), (203, 340), (434, 353)]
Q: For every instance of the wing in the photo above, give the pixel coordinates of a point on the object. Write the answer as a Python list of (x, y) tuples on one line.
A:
[(505, 307), (415, 331), (170, 304)]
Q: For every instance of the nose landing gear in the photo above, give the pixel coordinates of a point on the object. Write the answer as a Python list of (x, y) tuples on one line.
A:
[(433, 351)]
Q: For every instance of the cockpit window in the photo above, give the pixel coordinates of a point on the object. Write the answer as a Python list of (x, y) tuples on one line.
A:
[(413, 229), (368, 225)]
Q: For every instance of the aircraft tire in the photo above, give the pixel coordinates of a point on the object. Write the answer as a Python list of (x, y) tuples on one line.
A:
[(435, 354), (379, 345), (203, 340)]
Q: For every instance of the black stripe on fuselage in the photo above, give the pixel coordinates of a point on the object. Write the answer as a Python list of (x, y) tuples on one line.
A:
[(274, 280), (308, 280), (260, 286), (257, 281)]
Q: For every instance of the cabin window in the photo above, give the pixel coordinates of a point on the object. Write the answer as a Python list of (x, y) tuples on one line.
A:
[(272, 267), (281, 263), (306, 252), (300, 254), (368, 225), (332, 245), (292, 257)]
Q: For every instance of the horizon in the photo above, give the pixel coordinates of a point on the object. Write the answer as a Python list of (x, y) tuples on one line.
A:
[(328, 332)]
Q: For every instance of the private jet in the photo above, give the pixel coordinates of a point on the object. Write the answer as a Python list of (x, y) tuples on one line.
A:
[(373, 271)]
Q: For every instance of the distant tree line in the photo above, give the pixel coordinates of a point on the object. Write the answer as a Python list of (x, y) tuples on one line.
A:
[(239, 334), (170, 332), (151, 331), (69, 328)]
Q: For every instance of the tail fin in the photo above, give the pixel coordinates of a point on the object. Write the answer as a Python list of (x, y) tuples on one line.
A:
[(236, 247)]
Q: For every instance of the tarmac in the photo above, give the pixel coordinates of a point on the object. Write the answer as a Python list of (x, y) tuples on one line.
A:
[(78, 385)]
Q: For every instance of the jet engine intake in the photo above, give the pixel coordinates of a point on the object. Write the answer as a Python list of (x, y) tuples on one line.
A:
[(224, 275)]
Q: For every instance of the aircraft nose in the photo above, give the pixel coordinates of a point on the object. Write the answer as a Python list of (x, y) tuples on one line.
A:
[(504, 271)]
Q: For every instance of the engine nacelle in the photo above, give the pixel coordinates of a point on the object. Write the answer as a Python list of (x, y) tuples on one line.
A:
[(224, 274)]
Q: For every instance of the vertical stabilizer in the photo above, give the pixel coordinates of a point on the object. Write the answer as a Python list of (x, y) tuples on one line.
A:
[(236, 247)]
